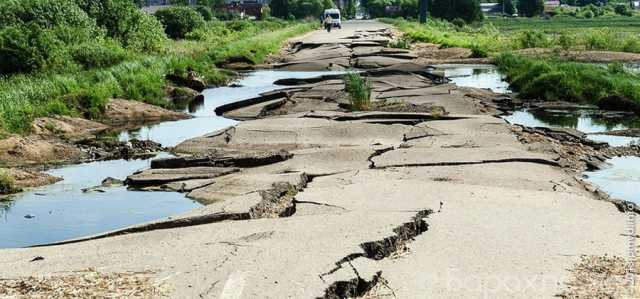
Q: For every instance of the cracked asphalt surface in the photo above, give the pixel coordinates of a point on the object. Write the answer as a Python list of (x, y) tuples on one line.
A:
[(498, 226)]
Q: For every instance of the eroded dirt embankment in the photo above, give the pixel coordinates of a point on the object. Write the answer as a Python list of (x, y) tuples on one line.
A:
[(70, 140), (306, 198)]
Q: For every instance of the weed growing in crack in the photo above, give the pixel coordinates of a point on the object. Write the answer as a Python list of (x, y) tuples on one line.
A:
[(359, 90)]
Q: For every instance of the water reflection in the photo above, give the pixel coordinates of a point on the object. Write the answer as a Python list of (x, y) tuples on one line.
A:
[(582, 120), (479, 76)]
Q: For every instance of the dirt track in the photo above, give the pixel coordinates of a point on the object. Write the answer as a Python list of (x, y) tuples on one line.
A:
[(431, 196)]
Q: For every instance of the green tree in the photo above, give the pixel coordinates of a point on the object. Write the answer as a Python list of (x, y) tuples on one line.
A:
[(350, 10), (179, 20), (530, 8), (279, 8), (509, 9), (468, 10)]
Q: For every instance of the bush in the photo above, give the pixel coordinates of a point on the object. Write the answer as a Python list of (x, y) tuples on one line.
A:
[(179, 21), (124, 22), (98, 54), (205, 12), (467, 10), (44, 14), (147, 35), (623, 10), (7, 183), (458, 22), (532, 39), (598, 39), (588, 14), (632, 45), (359, 90), (566, 40), (530, 8)]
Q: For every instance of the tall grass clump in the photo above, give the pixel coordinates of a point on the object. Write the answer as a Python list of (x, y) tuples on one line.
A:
[(359, 90), (555, 80), (7, 183)]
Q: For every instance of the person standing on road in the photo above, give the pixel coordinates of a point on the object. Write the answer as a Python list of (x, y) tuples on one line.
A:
[(328, 23)]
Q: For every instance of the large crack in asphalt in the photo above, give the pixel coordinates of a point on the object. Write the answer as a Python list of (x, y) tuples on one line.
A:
[(375, 250), (456, 163)]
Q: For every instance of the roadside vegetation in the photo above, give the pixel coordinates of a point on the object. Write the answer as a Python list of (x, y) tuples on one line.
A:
[(68, 57), (556, 80), (582, 26), (500, 35), (7, 183), (359, 90)]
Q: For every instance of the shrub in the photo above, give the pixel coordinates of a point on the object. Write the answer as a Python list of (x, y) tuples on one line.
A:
[(7, 183), (632, 45), (44, 14), (147, 35), (458, 22), (532, 39), (124, 22), (623, 10), (566, 40), (25, 49), (359, 90), (179, 21), (530, 8), (588, 14), (205, 12), (598, 40), (478, 51), (98, 54)]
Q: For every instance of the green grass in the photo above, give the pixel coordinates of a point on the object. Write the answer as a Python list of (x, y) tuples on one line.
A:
[(359, 90), (7, 183), (84, 93), (559, 24), (556, 80), (498, 35)]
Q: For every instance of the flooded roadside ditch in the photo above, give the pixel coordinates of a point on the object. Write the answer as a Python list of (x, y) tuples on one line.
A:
[(63, 211)]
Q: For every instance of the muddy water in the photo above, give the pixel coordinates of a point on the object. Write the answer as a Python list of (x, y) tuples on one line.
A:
[(62, 211)]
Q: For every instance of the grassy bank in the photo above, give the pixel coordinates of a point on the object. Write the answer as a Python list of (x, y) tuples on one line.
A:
[(498, 35), (141, 77), (555, 80)]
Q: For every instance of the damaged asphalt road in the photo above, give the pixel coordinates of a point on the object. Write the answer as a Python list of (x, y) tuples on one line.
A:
[(305, 199)]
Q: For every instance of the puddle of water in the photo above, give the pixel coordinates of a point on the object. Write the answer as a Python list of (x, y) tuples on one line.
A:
[(579, 120), (621, 180), (205, 121), (479, 76), (61, 211)]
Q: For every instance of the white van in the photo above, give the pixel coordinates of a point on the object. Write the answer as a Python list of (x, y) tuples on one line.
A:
[(335, 16)]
